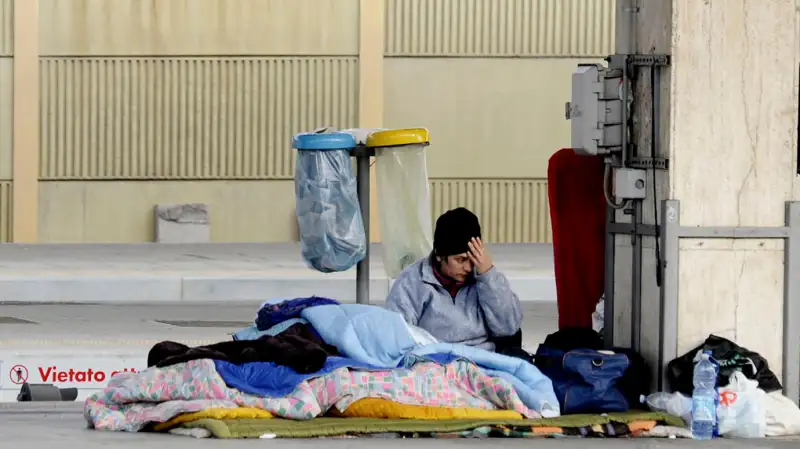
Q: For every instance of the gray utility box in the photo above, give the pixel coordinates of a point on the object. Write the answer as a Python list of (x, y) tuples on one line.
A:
[(595, 110), (630, 184)]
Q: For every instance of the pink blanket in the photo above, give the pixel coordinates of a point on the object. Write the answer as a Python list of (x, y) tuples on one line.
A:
[(132, 400)]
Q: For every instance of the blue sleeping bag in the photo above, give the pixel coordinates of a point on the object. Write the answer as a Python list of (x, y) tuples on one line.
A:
[(380, 337)]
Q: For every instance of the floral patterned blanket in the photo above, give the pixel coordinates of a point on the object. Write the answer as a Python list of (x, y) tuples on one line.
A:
[(132, 400)]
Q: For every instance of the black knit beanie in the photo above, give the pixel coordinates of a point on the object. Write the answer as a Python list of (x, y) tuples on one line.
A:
[(454, 229)]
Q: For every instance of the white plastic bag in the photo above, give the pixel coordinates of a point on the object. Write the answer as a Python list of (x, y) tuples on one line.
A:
[(783, 416), (599, 315), (741, 412), (404, 206)]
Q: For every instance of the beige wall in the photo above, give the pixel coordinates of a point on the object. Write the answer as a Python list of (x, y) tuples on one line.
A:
[(90, 211), (489, 78), (6, 114), (142, 102)]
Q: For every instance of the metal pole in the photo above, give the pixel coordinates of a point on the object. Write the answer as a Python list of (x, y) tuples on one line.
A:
[(636, 281), (608, 304), (668, 320), (362, 182), (791, 304)]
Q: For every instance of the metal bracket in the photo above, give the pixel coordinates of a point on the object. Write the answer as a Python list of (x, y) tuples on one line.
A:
[(362, 151), (628, 63), (649, 162), (632, 229), (649, 60), (672, 232), (638, 60)]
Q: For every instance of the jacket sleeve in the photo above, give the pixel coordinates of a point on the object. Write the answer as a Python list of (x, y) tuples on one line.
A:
[(500, 305), (401, 300)]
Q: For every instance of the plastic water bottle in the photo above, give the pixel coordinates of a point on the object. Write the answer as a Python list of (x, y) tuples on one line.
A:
[(704, 398)]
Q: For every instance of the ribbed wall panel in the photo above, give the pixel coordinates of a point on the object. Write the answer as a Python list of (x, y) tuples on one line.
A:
[(187, 118), (566, 28), (5, 211), (510, 211), (6, 27)]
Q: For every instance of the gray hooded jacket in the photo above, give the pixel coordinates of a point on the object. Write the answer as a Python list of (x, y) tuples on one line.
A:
[(481, 309)]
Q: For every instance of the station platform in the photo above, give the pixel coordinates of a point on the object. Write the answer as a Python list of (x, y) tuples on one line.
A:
[(159, 273), (82, 345)]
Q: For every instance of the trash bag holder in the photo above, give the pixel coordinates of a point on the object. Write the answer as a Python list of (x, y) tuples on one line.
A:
[(363, 154), (329, 242), (366, 149), (367, 142), (403, 187)]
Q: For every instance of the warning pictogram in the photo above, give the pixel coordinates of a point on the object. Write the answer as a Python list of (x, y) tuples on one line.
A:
[(18, 374)]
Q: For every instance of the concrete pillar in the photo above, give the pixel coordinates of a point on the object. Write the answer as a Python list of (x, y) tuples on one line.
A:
[(25, 150), (729, 127)]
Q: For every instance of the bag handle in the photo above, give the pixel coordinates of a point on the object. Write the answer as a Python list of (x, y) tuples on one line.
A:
[(739, 382)]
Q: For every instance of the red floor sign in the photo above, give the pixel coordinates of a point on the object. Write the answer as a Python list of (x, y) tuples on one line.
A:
[(66, 372)]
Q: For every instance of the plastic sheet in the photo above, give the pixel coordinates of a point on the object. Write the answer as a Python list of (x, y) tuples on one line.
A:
[(332, 234), (404, 206)]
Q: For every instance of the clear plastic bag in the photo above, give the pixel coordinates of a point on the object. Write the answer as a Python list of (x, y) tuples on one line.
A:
[(332, 234), (674, 404), (404, 206)]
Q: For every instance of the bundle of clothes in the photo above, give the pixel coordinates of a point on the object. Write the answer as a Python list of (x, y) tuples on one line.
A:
[(311, 367)]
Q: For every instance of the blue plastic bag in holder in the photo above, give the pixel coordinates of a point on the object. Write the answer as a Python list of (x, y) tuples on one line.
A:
[(332, 234)]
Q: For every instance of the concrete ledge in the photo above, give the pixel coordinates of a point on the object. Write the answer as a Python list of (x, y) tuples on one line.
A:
[(201, 289), (201, 273), (42, 407), (91, 289)]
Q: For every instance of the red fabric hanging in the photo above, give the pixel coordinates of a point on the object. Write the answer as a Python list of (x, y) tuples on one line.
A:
[(578, 215)]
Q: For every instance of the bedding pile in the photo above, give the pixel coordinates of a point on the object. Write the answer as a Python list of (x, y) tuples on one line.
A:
[(342, 369)]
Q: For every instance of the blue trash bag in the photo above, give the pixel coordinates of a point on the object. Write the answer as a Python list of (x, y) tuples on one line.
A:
[(332, 236)]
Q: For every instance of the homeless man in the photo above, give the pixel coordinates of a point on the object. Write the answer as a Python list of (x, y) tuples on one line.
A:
[(457, 294)]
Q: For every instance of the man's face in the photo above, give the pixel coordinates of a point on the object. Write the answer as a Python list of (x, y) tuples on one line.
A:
[(457, 266)]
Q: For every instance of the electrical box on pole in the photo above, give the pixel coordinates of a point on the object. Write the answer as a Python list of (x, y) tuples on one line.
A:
[(595, 110)]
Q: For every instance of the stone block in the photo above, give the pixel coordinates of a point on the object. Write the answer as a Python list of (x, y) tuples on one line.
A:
[(182, 223)]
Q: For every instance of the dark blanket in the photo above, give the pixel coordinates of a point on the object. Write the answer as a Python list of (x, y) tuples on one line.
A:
[(298, 347), (273, 314)]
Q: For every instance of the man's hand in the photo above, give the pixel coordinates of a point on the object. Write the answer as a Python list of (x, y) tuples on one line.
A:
[(479, 256)]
